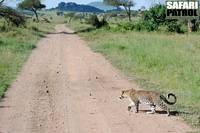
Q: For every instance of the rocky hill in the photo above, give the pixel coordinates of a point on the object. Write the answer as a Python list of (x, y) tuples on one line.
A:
[(71, 6)]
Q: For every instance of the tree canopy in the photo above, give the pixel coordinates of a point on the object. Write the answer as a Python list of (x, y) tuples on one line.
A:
[(32, 5), (127, 4), (124, 3)]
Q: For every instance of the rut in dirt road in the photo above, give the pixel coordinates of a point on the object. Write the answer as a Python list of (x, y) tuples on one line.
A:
[(66, 88)]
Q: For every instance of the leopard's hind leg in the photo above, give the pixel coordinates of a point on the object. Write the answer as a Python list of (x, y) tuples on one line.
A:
[(137, 107), (164, 107), (153, 109)]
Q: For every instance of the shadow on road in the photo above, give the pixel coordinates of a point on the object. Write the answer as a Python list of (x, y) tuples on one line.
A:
[(172, 113), (4, 107), (76, 32), (86, 30), (62, 32)]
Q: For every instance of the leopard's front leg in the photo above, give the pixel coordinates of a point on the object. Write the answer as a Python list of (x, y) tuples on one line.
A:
[(133, 104)]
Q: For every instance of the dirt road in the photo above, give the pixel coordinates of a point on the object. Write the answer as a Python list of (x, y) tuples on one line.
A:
[(66, 88)]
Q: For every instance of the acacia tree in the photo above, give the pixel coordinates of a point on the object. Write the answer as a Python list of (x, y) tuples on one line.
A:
[(127, 4), (32, 5)]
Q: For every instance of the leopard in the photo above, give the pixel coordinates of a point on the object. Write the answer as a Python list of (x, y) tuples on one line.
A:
[(151, 98)]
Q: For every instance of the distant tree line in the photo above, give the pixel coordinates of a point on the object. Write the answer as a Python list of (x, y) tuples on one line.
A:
[(32, 5), (155, 17)]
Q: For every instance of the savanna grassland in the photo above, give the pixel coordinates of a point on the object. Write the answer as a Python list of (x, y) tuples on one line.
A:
[(16, 44), (165, 62)]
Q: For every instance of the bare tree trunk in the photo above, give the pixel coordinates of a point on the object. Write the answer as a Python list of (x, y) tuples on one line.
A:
[(35, 12), (128, 11)]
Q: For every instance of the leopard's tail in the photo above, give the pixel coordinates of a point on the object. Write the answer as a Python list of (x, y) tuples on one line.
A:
[(168, 97)]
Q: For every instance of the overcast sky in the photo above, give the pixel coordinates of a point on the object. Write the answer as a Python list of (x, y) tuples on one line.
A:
[(54, 3)]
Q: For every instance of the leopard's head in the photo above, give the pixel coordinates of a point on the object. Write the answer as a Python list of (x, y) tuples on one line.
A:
[(123, 95), (126, 93)]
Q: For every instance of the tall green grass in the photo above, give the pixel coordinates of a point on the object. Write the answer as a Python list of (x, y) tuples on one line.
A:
[(16, 44), (157, 61)]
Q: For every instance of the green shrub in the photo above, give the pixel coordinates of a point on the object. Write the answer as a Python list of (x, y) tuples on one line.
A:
[(125, 26), (139, 26), (130, 26), (174, 26), (3, 28), (34, 28), (104, 22), (150, 26), (155, 17), (94, 21)]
